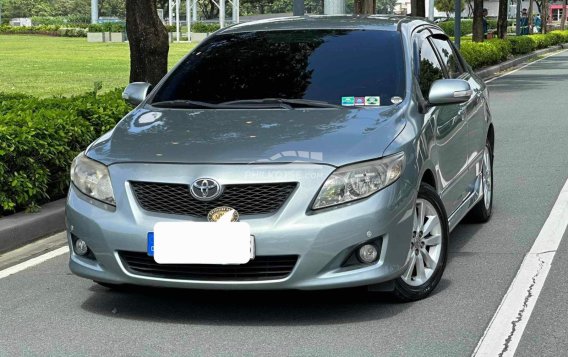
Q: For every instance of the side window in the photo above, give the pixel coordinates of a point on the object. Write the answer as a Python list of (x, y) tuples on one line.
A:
[(430, 68), (449, 57)]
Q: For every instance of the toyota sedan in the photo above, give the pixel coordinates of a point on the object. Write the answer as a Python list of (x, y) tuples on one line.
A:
[(298, 153)]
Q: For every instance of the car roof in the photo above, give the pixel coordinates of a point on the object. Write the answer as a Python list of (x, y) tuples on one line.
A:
[(367, 22)]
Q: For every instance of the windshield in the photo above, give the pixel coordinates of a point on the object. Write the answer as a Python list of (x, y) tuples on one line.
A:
[(341, 67)]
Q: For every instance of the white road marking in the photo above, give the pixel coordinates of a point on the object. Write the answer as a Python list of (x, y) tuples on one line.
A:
[(526, 65), (505, 330), (33, 262)]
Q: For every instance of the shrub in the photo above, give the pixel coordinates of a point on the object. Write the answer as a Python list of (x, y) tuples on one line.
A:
[(522, 44), (108, 27), (448, 27), (49, 30), (40, 137), (480, 54), (204, 27)]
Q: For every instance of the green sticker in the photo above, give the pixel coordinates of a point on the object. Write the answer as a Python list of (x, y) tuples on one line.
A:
[(348, 101), (372, 100)]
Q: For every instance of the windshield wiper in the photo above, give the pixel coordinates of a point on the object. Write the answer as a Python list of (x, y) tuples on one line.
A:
[(189, 104), (237, 104), (288, 103)]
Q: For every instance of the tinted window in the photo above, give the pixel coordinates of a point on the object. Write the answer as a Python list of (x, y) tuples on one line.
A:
[(449, 57), (430, 68), (323, 65)]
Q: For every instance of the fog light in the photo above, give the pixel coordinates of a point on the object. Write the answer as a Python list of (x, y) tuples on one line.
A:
[(368, 253), (81, 247)]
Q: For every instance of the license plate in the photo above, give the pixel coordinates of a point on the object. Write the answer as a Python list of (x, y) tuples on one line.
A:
[(201, 243)]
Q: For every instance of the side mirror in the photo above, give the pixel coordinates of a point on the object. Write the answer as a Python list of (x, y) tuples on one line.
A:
[(136, 92), (449, 91)]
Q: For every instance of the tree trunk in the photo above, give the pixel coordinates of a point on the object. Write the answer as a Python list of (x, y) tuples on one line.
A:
[(477, 35), (563, 22), (544, 15), (148, 40), (530, 14), (418, 8), (502, 19), (364, 7)]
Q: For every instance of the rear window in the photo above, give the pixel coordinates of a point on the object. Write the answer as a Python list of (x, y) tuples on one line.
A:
[(323, 65)]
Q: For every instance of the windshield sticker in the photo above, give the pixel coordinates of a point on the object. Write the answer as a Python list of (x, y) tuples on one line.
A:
[(372, 100), (359, 100), (396, 100), (348, 101)]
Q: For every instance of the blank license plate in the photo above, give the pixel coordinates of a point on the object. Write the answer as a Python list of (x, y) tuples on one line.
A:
[(201, 243)]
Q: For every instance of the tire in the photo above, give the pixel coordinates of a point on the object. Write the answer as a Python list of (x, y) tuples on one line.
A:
[(428, 248), (481, 212)]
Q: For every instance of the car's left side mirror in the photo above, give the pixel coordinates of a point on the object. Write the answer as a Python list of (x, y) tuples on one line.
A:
[(136, 92), (449, 91)]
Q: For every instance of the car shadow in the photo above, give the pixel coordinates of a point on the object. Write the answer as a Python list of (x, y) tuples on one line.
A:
[(245, 308)]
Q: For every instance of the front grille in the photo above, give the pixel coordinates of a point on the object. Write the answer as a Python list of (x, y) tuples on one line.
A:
[(246, 199), (260, 268)]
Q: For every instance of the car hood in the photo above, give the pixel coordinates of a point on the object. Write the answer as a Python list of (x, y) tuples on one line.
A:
[(327, 136)]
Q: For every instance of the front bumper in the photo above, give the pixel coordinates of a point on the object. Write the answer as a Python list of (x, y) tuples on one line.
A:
[(322, 240)]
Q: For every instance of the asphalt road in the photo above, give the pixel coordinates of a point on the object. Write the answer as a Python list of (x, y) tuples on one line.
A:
[(45, 310)]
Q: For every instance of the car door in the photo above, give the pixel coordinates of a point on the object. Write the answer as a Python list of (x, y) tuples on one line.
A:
[(451, 136), (474, 111)]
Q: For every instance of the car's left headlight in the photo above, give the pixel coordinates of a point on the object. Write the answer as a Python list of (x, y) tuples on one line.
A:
[(92, 178), (354, 182)]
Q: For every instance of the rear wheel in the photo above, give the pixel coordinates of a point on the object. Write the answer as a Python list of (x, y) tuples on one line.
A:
[(481, 212), (427, 253)]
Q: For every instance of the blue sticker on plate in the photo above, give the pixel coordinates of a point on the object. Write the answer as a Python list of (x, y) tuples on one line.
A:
[(151, 244)]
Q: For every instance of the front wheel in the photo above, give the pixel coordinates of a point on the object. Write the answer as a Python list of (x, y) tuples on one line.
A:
[(427, 253)]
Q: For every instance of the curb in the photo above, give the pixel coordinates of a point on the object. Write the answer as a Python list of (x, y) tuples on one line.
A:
[(488, 72), (20, 229)]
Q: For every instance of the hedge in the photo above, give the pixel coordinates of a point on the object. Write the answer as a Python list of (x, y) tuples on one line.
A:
[(40, 137), (204, 27), (49, 30), (489, 52), (466, 26), (108, 27)]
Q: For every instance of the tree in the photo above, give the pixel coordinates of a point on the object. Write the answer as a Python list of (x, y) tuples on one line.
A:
[(563, 21), (477, 35), (544, 14), (447, 6), (364, 6), (148, 42), (502, 21), (418, 8)]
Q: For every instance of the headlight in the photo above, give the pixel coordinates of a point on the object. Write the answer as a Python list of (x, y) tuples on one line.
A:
[(353, 182), (92, 178)]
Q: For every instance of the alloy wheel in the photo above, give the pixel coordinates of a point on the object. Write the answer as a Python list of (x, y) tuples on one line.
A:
[(425, 245)]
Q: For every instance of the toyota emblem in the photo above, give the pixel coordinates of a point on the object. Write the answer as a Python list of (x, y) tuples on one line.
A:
[(205, 189)]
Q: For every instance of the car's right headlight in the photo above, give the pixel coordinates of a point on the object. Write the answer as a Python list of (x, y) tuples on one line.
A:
[(92, 178), (354, 182)]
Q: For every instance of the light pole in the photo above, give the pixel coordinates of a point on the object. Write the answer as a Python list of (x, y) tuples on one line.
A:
[(94, 11), (457, 25)]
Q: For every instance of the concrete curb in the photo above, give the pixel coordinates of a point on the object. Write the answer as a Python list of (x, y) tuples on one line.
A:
[(23, 228), (488, 72), (20, 229)]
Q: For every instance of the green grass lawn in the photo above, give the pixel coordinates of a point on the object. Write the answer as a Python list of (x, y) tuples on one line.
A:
[(46, 66)]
